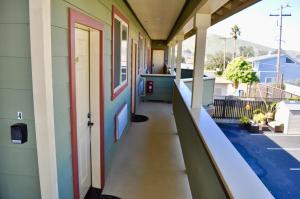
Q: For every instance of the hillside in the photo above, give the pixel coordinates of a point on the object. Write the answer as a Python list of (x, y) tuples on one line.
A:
[(215, 43)]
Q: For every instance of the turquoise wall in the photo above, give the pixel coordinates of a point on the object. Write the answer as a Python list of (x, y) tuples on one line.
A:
[(101, 10), (186, 73), (162, 88), (18, 163), (208, 90)]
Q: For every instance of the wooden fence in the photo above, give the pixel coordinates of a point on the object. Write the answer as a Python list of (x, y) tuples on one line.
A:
[(269, 93), (235, 109)]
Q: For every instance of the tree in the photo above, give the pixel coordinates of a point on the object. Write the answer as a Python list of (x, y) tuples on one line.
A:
[(240, 71), (262, 52), (246, 51), (235, 33), (183, 60), (276, 52), (216, 61)]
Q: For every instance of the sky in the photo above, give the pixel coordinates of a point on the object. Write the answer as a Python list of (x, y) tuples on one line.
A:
[(257, 26)]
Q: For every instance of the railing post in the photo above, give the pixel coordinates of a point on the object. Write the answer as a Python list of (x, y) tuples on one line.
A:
[(201, 23)]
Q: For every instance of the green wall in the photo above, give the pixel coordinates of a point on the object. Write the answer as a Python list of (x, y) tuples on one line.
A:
[(208, 90), (162, 88), (186, 73), (18, 163), (101, 10), (203, 179)]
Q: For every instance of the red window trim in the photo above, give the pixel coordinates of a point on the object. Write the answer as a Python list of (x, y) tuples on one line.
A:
[(115, 92), (80, 18)]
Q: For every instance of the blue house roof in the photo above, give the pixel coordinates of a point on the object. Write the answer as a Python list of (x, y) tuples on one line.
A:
[(270, 56)]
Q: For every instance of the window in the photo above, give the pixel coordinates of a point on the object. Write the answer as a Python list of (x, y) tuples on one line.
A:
[(119, 52), (269, 80), (288, 60)]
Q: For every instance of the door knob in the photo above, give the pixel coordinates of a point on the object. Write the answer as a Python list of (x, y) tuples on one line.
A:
[(90, 124)]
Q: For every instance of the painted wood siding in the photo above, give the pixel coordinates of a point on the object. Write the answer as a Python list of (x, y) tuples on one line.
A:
[(18, 163), (162, 88), (267, 68), (101, 10), (208, 91)]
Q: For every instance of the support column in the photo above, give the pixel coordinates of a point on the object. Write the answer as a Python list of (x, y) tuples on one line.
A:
[(173, 58), (169, 54), (201, 23), (179, 40), (41, 65)]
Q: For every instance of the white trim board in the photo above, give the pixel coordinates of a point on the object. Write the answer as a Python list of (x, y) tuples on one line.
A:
[(41, 64)]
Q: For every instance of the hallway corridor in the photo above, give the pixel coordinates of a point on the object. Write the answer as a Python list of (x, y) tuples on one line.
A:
[(148, 163)]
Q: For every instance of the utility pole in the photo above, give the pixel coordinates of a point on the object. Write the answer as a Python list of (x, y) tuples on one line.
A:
[(280, 15), (224, 56)]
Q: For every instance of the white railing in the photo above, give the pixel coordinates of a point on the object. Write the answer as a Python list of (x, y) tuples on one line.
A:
[(215, 168)]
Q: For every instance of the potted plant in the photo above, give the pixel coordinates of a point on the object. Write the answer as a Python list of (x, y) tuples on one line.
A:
[(245, 122), (270, 111), (257, 111), (259, 118)]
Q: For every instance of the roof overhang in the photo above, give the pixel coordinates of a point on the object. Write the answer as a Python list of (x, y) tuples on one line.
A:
[(218, 9)]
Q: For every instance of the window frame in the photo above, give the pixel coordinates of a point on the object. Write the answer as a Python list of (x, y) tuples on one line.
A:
[(266, 80), (116, 14), (289, 60)]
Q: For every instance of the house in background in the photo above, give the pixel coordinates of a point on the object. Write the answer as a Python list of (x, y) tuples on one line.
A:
[(265, 66), (223, 87)]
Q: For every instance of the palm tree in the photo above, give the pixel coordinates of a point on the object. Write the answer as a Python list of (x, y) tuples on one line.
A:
[(235, 32)]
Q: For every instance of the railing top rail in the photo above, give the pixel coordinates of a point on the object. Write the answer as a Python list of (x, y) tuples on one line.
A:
[(225, 158), (158, 75)]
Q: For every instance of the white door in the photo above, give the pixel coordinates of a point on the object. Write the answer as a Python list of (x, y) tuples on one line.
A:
[(158, 61), (83, 109)]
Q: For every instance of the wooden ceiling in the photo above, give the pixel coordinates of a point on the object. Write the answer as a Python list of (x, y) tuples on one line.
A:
[(157, 16)]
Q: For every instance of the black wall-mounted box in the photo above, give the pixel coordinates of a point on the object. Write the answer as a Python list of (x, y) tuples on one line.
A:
[(19, 133)]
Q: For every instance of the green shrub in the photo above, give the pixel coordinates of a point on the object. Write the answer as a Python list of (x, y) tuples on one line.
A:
[(258, 118), (219, 73), (294, 99), (257, 111), (245, 120)]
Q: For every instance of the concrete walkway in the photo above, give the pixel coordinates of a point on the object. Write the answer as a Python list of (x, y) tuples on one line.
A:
[(148, 163)]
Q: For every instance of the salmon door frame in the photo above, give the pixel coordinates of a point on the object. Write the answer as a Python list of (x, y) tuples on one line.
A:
[(76, 17), (134, 63)]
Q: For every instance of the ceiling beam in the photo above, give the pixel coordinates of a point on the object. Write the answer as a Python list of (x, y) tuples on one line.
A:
[(131, 10), (189, 9), (230, 8)]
